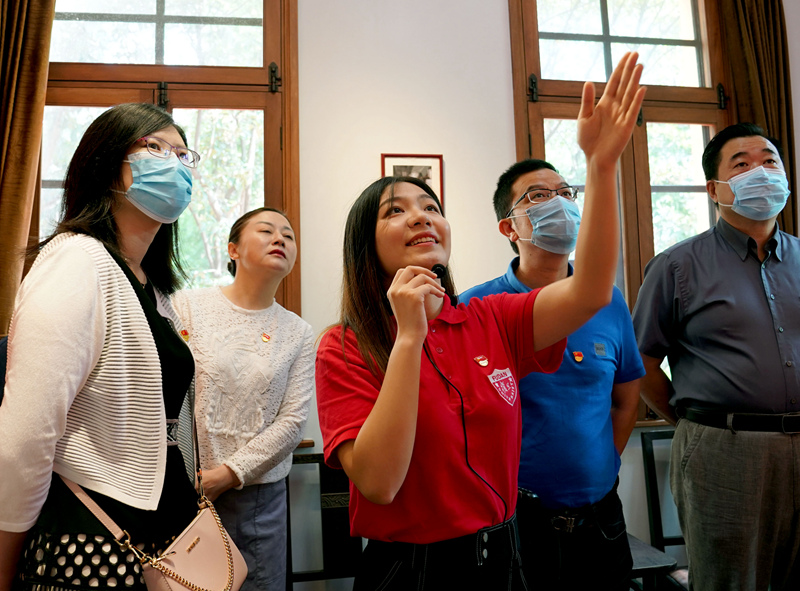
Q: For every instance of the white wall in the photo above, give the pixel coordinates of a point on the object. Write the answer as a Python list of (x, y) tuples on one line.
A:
[(404, 77), (418, 76)]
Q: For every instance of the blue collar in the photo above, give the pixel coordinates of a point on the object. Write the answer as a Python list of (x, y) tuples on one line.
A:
[(516, 284)]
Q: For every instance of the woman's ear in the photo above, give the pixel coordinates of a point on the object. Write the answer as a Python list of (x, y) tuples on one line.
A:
[(233, 252)]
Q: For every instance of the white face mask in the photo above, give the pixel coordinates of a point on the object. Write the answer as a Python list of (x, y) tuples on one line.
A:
[(759, 193)]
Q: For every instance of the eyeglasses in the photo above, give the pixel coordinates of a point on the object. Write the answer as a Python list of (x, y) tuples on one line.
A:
[(161, 149), (536, 196)]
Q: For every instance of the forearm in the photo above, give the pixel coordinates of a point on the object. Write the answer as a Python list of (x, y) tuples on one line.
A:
[(657, 390), (10, 550), (563, 307), (378, 459), (624, 410), (598, 240), (278, 440), (268, 449), (218, 480)]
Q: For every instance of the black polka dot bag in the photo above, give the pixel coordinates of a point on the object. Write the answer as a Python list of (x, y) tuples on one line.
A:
[(202, 557)]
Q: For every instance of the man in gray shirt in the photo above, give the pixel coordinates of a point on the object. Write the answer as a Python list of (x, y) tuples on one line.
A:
[(724, 308)]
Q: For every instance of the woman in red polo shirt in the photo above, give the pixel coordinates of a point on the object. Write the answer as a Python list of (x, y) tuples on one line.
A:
[(418, 399)]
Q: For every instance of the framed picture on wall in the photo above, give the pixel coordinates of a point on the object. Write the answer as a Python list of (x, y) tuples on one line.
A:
[(427, 167)]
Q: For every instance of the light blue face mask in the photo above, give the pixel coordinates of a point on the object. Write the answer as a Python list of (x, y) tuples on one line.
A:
[(758, 194), (162, 187), (555, 225)]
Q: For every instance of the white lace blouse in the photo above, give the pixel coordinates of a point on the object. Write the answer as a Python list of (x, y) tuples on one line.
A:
[(254, 383)]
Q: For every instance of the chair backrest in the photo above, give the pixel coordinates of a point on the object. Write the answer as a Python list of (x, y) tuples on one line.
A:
[(654, 509), (340, 551)]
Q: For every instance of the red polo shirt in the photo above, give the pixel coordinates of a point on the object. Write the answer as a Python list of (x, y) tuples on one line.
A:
[(483, 350)]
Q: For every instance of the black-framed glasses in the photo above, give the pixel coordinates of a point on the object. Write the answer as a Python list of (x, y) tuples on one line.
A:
[(162, 149), (536, 196)]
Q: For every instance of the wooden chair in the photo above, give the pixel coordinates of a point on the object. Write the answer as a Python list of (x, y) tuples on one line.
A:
[(340, 551), (678, 578)]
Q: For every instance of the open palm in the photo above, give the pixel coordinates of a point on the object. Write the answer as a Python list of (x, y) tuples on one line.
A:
[(604, 129)]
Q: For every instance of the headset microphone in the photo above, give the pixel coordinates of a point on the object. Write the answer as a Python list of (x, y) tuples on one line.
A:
[(440, 270)]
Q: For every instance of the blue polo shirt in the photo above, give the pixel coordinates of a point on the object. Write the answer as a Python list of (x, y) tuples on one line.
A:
[(568, 456)]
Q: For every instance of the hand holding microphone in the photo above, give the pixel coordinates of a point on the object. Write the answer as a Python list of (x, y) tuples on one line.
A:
[(408, 294)]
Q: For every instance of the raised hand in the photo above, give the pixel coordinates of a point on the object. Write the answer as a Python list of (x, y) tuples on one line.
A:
[(604, 129)]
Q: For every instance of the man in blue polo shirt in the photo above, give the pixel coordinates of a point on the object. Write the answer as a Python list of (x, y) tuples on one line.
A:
[(575, 422)]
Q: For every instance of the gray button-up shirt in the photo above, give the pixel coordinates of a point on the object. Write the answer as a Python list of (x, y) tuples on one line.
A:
[(728, 323)]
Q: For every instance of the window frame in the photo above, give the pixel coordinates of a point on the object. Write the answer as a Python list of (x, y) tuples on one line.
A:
[(560, 99), (89, 84)]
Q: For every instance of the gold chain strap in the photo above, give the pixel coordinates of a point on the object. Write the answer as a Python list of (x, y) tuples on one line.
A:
[(155, 561)]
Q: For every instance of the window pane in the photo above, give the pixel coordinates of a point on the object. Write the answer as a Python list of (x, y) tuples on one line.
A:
[(680, 205), (676, 154), (677, 216), (570, 16), (661, 19), (563, 152), (575, 35), (667, 65), (240, 9), (572, 60), (213, 45), (49, 211), (228, 183), (189, 32), (62, 130), (103, 42), (107, 6)]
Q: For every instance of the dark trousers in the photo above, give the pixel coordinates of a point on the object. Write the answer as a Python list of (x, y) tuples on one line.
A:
[(583, 548), (487, 560)]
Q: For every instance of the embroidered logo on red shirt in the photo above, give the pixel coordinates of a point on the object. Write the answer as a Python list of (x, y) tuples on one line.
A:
[(504, 383)]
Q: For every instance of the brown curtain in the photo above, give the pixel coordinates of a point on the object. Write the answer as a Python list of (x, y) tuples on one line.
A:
[(25, 27), (757, 50)]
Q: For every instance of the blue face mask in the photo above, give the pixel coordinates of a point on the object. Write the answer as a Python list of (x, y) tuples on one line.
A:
[(555, 225), (162, 187), (758, 194)]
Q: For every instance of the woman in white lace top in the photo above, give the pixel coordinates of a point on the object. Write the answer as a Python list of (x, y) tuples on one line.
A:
[(254, 383)]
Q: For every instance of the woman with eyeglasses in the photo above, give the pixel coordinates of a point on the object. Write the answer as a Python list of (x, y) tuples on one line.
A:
[(99, 380), (255, 380), (418, 398)]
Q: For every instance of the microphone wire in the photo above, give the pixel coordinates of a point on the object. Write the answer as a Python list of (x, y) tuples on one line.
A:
[(464, 428)]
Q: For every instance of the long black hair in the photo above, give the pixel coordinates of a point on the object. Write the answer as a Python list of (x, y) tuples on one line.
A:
[(95, 168), (365, 308)]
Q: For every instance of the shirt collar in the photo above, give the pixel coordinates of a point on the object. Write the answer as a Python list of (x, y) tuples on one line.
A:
[(742, 243), (451, 314), (516, 284), (511, 277)]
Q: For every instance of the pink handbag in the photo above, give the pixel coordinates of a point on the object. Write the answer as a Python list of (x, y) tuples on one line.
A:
[(202, 557)]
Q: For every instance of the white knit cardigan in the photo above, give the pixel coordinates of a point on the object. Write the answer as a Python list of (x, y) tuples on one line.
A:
[(83, 386)]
